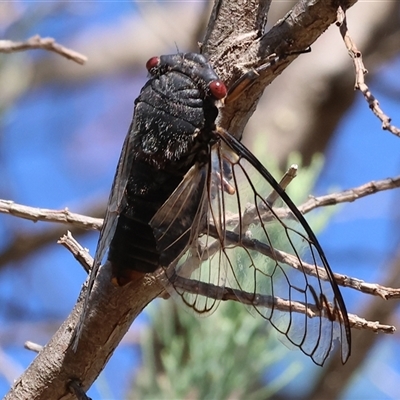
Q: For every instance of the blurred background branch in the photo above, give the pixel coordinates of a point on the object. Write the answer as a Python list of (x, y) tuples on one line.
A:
[(36, 42)]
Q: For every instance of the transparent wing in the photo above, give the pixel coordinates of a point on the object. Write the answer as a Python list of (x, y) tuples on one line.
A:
[(186, 252), (246, 244), (275, 254), (116, 203)]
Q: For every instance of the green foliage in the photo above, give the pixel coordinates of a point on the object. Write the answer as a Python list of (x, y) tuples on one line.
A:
[(220, 357)]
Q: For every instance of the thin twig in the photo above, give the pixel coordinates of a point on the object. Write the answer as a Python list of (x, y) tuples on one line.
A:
[(37, 348), (36, 42), (310, 269), (360, 71), (80, 253), (287, 178), (209, 290), (346, 196), (23, 242), (82, 221), (251, 212), (43, 214), (350, 195)]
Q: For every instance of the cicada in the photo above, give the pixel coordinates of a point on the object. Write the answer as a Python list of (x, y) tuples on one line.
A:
[(190, 199)]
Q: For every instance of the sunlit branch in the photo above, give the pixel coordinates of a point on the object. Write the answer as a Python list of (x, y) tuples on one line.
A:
[(36, 42), (251, 212), (309, 269), (85, 222), (271, 302), (253, 299), (360, 71), (43, 214), (345, 196), (287, 178), (37, 348), (350, 195), (80, 253)]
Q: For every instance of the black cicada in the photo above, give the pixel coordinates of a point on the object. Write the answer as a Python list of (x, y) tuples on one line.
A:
[(191, 199)]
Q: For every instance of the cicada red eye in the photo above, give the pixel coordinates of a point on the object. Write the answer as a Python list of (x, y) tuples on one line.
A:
[(218, 89), (152, 63)]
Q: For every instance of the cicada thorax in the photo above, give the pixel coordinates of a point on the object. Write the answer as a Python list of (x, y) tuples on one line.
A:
[(172, 127)]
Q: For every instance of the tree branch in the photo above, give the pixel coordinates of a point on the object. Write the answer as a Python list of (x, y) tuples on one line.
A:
[(360, 72), (21, 244), (350, 195), (84, 222), (57, 364), (37, 348), (235, 54), (43, 214), (302, 110), (229, 294), (36, 42)]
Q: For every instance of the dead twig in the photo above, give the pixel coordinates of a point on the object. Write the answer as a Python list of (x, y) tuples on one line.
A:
[(37, 348), (37, 42), (80, 253), (350, 195), (345, 196), (277, 303), (360, 71), (82, 221), (43, 214)]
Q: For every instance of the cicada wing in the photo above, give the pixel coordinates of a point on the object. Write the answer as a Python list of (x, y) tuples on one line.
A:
[(219, 234), (275, 262), (188, 254), (115, 205), (116, 201)]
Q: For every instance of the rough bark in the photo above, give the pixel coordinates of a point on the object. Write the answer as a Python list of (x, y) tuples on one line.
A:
[(57, 364)]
